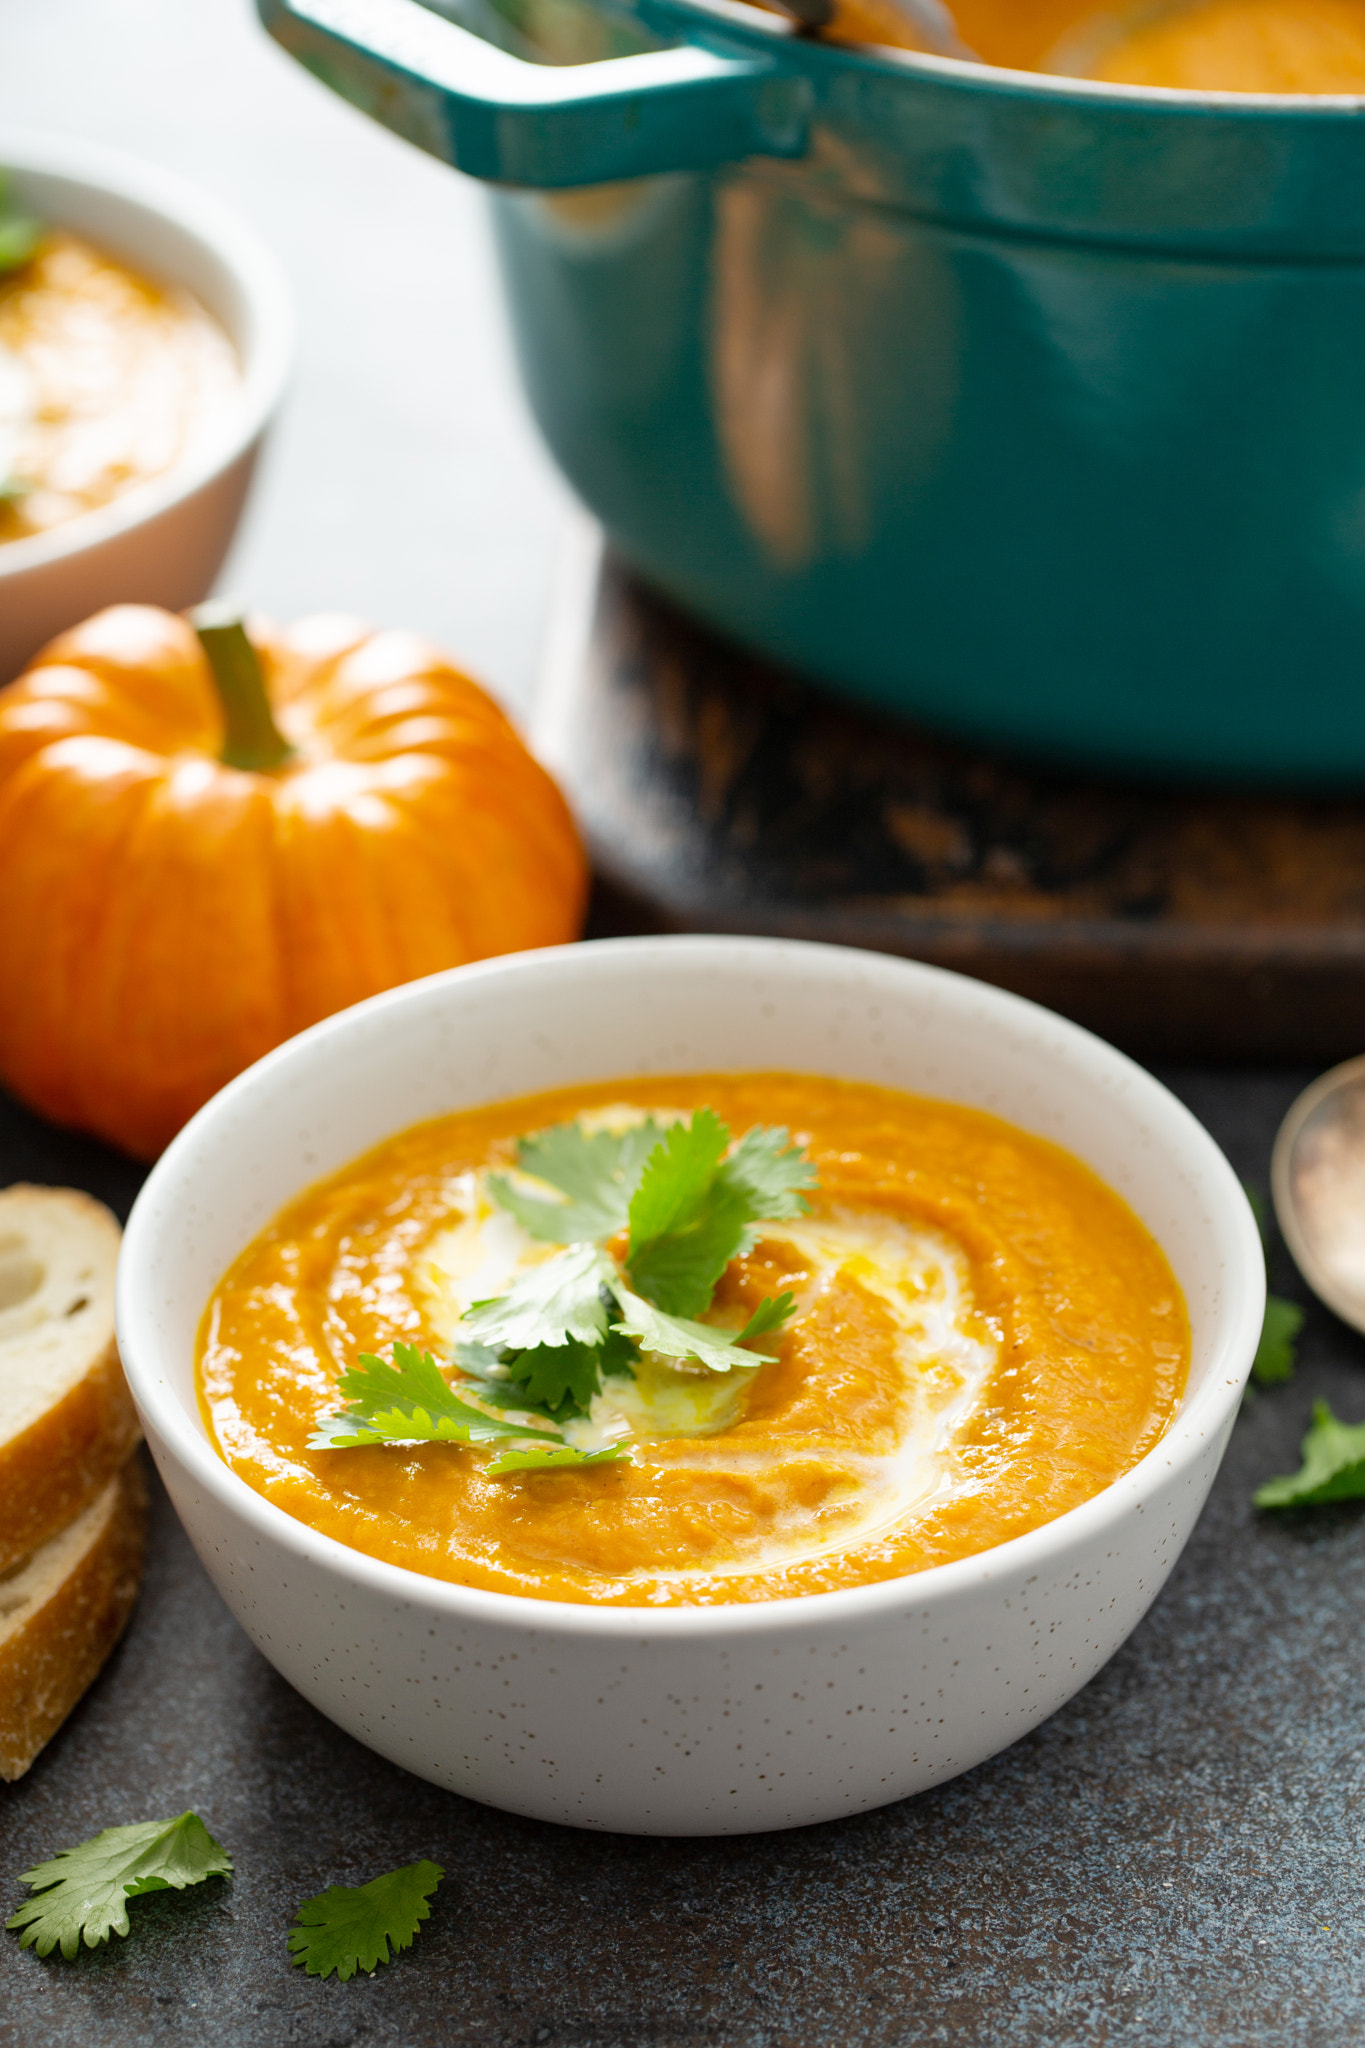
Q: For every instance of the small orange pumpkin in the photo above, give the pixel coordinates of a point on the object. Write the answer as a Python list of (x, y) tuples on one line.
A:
[(185, 881)]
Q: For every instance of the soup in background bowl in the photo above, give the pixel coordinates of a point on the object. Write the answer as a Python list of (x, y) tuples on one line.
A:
[(117, 508), (687, 1718)]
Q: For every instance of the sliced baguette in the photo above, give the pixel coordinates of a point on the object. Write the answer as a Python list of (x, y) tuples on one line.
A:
[(61, 1612), (67, 1422)]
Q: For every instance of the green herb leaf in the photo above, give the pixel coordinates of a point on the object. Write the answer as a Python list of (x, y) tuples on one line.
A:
[(770, 1172), (684, 1226), (695, 1210), (405, 1402), (595, 1171), (773, 1310), (549, 1457), (83, 1892), (554, 1380), (19, 239), (550, 1304), (559, 1379), (679, 1337), (1276, 1352), (351, 1927), (1333, 1466)]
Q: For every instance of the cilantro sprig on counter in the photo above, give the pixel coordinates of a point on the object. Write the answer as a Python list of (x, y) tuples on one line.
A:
[(82, 1894), (352, 1927), (686, 1203), (1333, 1466)]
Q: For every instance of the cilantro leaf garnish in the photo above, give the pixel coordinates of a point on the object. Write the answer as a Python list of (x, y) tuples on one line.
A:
[(549, 1457), (351, 1927), (555, 1303), (1333, 1466), (687, 1205), (595, 1171), (1276, 1351), (82, 1893), (684, 1228), (771, 1173), (405, 1402), (694, 1210), (681, 1338)]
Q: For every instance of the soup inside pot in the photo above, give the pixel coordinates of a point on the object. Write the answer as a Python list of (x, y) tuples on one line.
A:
[(1256, 46), (1263, 46)]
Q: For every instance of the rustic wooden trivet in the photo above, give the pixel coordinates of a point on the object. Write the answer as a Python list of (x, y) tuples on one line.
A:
[(719, 793)]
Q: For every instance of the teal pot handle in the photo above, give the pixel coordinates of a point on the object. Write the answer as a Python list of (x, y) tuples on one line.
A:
[(496, 117)]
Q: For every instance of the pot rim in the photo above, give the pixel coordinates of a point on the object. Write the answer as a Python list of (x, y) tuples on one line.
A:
[(264, 352), (1200, 1418)]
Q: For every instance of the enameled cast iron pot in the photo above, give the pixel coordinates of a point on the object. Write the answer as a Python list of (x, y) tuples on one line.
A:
[(1032, 407)]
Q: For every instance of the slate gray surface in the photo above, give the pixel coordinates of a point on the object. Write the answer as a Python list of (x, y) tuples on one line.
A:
[(1175, 1857)]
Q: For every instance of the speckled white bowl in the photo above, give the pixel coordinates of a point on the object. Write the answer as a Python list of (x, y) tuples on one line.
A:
[(704, 1721), (164, 542)]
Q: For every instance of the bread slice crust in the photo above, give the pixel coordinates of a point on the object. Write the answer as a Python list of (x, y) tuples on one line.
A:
[(67, 1423), (61, 1613)]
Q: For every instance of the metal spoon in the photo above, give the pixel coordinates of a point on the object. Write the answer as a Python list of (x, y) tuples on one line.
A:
[(1317, 1180)]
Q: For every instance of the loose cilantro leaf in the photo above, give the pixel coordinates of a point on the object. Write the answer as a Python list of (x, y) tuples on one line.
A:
[(1333, 1466), (82, 1893), (679, 1337), (542, 1457), (408, 1401), (595, 1171), (350, 1927), (1276, 1352), (550, 1304)]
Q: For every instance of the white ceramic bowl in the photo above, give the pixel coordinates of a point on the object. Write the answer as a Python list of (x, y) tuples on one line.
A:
[(163, 542), (677, 1721)]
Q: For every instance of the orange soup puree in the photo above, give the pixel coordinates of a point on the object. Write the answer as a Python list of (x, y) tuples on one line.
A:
[(108, 379), (985, 1337), (1260, 46)]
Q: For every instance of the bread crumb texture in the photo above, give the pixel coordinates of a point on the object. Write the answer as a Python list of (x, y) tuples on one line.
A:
[(67, 1421), (61, 1612)]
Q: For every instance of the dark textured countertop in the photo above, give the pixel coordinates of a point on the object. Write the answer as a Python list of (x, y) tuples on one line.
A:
[(1175, 1857)]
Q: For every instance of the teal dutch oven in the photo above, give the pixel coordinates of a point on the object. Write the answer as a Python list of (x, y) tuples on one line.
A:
[(1029, 407)]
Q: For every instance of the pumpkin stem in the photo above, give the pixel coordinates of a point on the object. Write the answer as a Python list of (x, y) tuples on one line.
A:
[(252, 739)]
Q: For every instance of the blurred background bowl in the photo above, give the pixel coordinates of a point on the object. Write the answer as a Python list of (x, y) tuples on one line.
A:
[(164, 541)]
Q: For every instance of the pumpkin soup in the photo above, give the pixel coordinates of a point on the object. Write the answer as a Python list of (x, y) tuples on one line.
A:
[(935, 1332), (1257, 46), (107, 380)]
